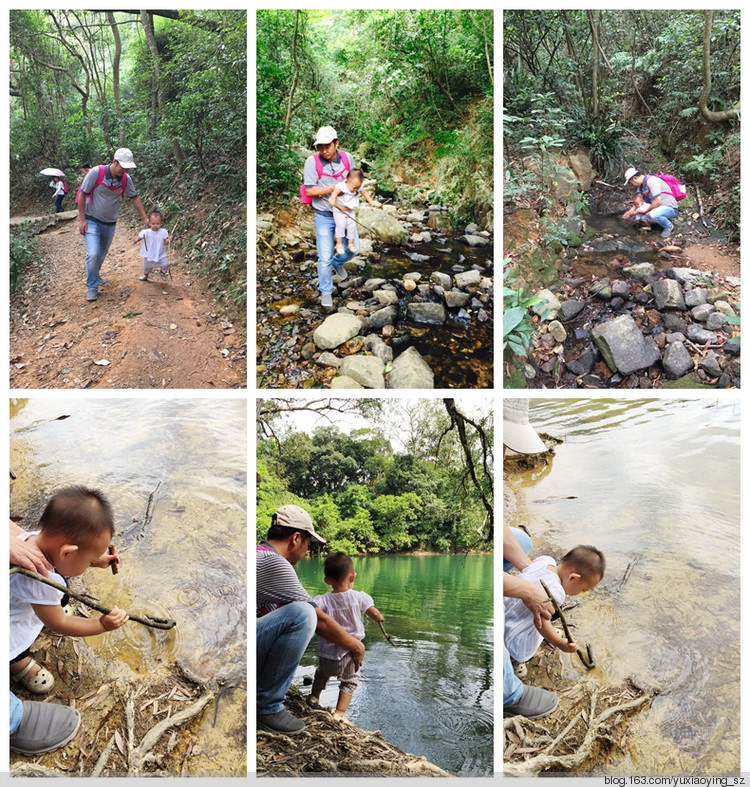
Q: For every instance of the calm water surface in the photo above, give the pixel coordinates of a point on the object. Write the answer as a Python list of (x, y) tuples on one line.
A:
[(189, 562), (433, 694), (656, 480)]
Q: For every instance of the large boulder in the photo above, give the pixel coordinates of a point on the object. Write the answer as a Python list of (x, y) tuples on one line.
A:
[(582, 169), (430, 313), (410, 370), (668, 295), (623, 346), (336, 329), (367, 370), (379, 224)]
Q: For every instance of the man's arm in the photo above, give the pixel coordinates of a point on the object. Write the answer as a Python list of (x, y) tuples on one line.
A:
[(82, 213), (26, 555), (139, 207), (327, 627), (531, 594), (647, 206)]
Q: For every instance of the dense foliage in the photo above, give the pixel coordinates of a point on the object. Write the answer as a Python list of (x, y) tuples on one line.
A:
[(410, 91), (367, 497), (170, 85), (626, 86)]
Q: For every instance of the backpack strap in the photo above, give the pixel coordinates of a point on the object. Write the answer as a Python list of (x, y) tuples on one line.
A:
[(346, 160)]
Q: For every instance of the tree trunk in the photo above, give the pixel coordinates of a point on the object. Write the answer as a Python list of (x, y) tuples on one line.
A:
[(594, 63), (295, 76), (116, 76), (148, 27), (710, 115)]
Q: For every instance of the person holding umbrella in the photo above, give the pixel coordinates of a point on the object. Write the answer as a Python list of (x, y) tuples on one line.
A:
[(59, 186), (98, 209)]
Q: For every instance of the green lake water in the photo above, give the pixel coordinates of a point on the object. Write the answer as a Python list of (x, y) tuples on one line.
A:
[(433, 694), (658, 482)]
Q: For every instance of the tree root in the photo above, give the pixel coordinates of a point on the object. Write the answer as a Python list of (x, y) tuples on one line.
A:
[(596, 732)]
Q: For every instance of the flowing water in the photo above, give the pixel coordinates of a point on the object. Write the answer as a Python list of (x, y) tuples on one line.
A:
[(655, 481), (433, 694), (183, 555)]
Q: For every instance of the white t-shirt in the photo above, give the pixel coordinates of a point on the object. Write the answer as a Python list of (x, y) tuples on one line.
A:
[(24, 591), (522, 638), (152, 248), (346, 609)]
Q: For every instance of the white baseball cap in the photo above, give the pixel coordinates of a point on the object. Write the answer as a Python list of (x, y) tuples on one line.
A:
[(629, 174), (518, 433), (325, 135), (124, 157), (297, 518)]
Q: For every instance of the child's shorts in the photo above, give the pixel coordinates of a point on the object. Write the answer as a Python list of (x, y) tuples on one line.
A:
[(343, 669)]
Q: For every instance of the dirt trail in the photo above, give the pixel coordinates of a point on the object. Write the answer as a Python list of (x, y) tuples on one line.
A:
[(151, 334)]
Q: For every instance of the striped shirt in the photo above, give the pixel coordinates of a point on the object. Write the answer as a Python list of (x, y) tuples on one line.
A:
[(277, 583)]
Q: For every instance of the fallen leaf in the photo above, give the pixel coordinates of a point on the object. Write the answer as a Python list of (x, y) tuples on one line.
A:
[(102, 362)]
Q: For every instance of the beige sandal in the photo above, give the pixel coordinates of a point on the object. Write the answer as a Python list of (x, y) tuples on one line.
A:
[(39, 683)]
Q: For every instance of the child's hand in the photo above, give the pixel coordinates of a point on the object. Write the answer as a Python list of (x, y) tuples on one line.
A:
[(106, 559), (137, 238), (568, 647), (116, 618)]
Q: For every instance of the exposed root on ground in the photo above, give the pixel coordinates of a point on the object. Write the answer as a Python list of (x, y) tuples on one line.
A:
[(334, 748)]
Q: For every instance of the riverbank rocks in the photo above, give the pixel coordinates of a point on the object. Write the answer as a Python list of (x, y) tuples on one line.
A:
[(336, 329), (367, 370), (410, 370), (624, 348), (668, 295), (380, 224), (429, 313)]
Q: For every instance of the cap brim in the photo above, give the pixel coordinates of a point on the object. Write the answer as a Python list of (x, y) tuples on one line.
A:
[(126, 166), (522, 439), (318, 538)]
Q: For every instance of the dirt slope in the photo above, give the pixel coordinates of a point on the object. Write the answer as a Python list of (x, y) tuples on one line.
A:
[(153, 334)]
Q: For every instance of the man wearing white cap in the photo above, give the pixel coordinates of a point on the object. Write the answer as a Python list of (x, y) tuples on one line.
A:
[(659, 205), (287, 617), (518, 699), (98, 209), (325, 170)]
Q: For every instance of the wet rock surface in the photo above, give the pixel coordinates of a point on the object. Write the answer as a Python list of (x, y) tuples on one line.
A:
[(426, 294)]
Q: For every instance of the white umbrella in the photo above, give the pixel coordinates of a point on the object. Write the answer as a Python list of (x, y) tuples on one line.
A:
[(52, 172)]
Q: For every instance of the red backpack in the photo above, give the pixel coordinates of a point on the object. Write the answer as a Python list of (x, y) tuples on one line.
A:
[(66, 188), (346, 159), (678, 190), (100, 182)]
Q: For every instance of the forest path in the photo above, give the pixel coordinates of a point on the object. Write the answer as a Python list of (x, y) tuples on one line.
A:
[(153, 334)]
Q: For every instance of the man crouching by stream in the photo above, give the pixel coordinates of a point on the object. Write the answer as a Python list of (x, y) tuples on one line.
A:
[(287, 617)]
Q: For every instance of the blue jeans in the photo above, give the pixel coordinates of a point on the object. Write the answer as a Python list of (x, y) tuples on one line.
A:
[(525, 542), (661, 216), (325, 244), (281, 638), (98, 239), (16, 712), (512, 686)]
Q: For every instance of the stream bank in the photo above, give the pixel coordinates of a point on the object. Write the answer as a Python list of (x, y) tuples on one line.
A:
[(415, 311)]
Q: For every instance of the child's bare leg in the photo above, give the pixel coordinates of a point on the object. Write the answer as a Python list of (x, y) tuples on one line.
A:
[(18, 666), (342, 704)]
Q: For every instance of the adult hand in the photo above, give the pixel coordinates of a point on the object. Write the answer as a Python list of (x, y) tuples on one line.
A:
[(29, 556), (82, 226), (537, 602), (358, 654)]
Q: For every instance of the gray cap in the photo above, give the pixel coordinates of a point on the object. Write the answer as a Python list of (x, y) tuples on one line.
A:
[(124, 157), (297, 518)]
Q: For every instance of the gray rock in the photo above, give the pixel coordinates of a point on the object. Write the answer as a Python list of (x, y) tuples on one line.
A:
[(336, 329), (714, 294), (474, 240), (416, 216), (367, 370), (733, 281), (344, 381), (550, 304), (384, 316), (725, 308), (380, 224), (559, 334), (468, 278), (386, 297), (710, 364), (641, 270), (441, 279), (410, 370), (682, 275), (582, 365), (430, 313), (289, 310), (455, 299), (699, 335), (623, 346), (328, 359), (674, 337), (668, 295), (715, 321), (571, 308), (413, 275), (472, 229), (674, 323), (373, 284), (700, 313), (696, 297), (677, 361), (601, 289), (621, 288)]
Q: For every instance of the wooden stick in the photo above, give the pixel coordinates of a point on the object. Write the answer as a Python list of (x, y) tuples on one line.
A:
[(588, 660), (113, 564), (700, 206), (386, 634), (146, 620)]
